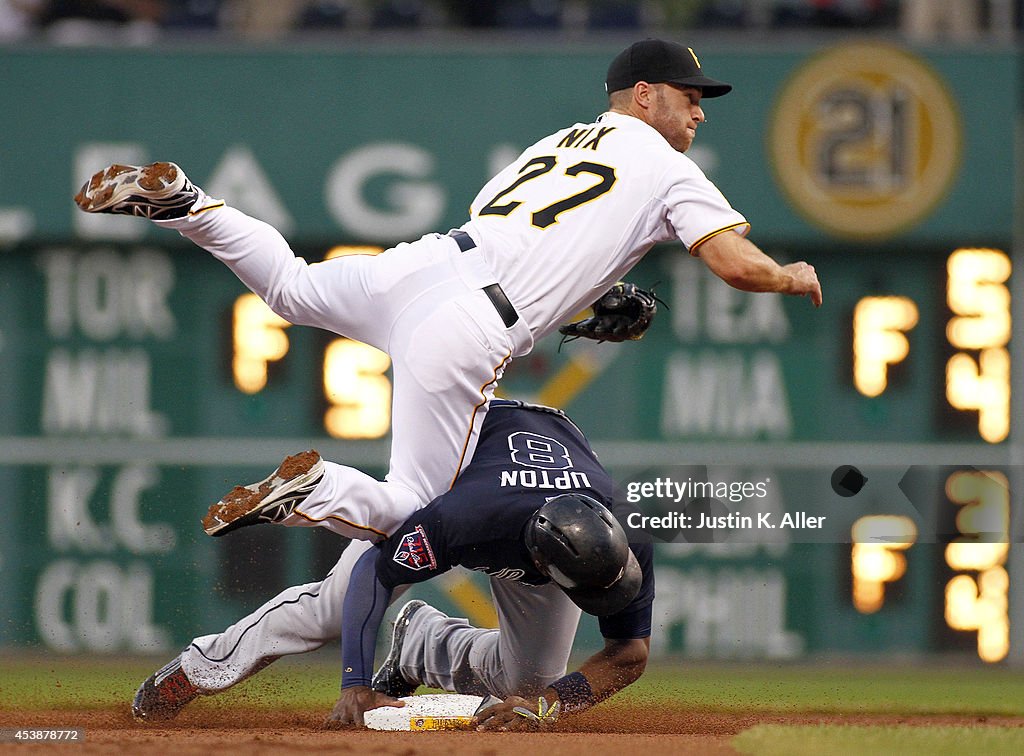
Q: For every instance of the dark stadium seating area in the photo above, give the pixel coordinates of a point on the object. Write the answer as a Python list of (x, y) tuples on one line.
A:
[(81, 21)]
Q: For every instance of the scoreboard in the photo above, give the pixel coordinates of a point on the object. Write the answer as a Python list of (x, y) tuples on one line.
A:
[(978, 371), (924, 335), (152, 343), (143, 380)]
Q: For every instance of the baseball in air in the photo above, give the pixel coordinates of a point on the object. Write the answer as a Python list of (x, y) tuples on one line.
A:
[(847, 480)]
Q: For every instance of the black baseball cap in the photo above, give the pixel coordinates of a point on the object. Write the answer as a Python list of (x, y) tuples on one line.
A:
[(657, 61)]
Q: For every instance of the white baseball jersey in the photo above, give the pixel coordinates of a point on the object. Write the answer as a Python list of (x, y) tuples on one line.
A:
[(580, 208), (554, 230)]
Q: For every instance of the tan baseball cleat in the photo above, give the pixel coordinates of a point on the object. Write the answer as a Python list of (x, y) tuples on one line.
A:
[(270, 500), (158, 191)]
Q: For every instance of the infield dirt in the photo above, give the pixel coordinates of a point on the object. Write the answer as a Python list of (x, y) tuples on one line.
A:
[(604, 731)]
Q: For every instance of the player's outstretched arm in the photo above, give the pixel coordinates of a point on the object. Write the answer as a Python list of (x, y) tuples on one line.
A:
[(742, 265), (619, 664), (366, 601)]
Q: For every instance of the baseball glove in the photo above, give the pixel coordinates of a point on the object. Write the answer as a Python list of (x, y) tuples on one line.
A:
[(623, 313)]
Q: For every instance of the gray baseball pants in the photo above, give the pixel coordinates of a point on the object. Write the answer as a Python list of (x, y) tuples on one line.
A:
[(538, 625)]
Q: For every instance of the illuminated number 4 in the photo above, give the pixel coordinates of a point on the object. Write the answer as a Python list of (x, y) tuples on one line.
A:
[(547, 216)]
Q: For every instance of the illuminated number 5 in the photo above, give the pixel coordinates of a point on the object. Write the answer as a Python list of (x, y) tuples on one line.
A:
[(547, 216), (357, 389)]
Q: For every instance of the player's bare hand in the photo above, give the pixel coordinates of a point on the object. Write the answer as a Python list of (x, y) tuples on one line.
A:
[(516, 713), (354, 701), (804, 281)]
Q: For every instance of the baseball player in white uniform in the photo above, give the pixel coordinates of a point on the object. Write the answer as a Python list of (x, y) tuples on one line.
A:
[(546, 236)]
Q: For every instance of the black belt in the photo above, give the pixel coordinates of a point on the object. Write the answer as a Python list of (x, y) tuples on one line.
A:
[(494, 292)]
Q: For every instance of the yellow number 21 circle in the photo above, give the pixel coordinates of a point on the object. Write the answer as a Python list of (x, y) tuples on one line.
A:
[(865, 140)]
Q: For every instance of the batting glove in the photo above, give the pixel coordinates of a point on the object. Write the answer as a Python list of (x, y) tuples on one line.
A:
[(544, 715)]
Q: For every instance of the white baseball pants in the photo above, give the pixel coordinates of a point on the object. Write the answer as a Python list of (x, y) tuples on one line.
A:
[(423, 304)]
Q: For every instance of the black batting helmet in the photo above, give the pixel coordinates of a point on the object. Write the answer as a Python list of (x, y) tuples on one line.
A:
[(576, 541)]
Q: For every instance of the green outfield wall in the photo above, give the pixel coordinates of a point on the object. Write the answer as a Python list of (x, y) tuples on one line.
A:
[(121, 415), (367, 145)]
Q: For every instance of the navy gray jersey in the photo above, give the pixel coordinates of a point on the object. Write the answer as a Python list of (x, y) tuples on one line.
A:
[(525, 456)]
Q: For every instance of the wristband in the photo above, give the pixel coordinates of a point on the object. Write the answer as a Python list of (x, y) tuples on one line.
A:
[(352, 681), (574, 692)]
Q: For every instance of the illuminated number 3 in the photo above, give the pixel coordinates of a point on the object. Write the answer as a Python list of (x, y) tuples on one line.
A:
[(546, 216)]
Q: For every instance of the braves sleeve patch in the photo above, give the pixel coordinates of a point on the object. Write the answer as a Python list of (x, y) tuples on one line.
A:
[(414, 551)]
